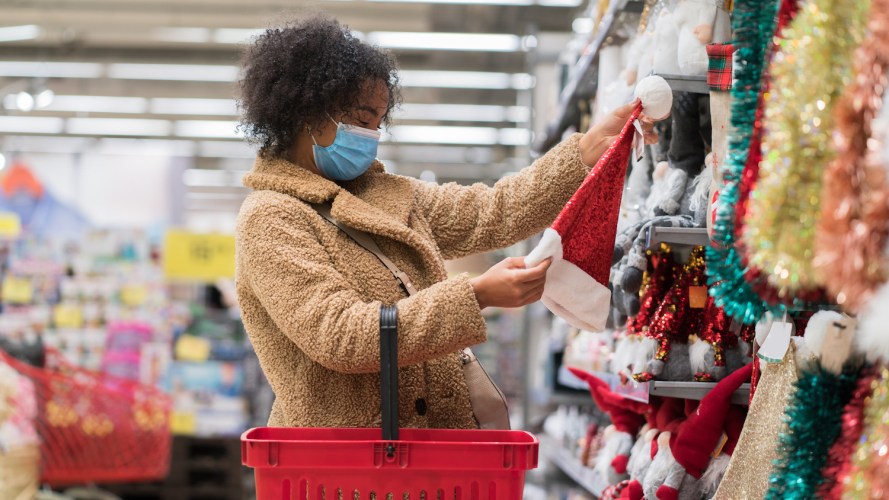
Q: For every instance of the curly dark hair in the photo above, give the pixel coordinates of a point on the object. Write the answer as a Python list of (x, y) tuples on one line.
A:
[(299, 74)]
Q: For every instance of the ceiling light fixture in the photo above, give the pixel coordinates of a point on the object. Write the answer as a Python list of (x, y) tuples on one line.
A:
[(206, 129), (118, 126), (31, 124), (192, 106), (24, 101), (483, 42), (44, 98), (466, 79), (235, 35), (17, 33), (461, 112), (184, 72), (98, 104), (27, 69)]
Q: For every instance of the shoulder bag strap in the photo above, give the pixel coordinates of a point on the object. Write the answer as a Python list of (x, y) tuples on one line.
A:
[(370, 245)]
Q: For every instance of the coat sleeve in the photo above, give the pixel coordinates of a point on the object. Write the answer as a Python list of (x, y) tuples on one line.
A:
[(471, 219), (292, 276)]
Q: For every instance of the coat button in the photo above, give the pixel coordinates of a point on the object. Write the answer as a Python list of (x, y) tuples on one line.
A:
[(420, 404)]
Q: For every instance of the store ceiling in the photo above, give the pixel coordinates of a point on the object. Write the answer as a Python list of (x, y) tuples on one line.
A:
[(163, 71)]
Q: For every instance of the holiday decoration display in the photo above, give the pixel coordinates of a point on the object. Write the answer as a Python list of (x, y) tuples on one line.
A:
[(753, 23), (853, 230), (785, 205)]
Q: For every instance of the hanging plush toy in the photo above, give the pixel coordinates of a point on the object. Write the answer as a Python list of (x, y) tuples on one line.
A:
[(581, 240)]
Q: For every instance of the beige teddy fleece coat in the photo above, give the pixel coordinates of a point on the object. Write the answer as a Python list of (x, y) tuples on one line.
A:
[(310, 296)]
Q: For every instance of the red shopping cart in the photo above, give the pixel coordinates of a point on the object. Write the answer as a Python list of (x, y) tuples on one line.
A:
[(96, 427), (428, 464)]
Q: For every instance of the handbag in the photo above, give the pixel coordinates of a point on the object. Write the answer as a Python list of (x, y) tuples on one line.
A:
[(488, 402)]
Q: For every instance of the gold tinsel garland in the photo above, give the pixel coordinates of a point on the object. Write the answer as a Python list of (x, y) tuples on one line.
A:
[(810, 70), (854, 226), (868, 477)]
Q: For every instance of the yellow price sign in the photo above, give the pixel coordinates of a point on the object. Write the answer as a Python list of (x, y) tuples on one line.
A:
[(133, 295), (191, 348), (198, 257), (10, 225), (17, 290), (183, 422), (67, 316)]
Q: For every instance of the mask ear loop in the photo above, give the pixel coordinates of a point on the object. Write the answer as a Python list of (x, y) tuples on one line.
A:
[(309, 130)]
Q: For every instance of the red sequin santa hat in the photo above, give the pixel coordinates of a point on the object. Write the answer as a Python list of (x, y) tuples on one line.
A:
[(581, 240)]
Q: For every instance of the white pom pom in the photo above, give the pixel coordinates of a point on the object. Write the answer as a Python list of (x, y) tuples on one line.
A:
[(816, 330), (872, 327), (656, 96)]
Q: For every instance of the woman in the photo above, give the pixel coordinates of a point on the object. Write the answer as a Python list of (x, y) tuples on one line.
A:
[(313, 97)]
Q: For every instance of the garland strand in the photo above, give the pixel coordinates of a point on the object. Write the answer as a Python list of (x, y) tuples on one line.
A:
[(867, 476), (854, 226), (753, 275), (785, 206), (814, 419), (753, 23), (839, 459)]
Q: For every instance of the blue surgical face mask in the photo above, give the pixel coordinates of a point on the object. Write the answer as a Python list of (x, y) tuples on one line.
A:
[(351, 154)]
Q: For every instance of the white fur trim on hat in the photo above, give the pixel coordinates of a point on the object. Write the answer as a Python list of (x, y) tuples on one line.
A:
[(570, 292)]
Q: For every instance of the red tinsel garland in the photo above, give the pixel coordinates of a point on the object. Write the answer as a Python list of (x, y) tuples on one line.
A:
[(839, 458)]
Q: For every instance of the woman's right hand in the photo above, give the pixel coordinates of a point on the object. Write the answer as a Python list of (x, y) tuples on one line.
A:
[(510, 284)]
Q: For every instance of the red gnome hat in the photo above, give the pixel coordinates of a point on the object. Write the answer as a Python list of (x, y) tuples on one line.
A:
[(693, 445), (626, 415), (581, 240)]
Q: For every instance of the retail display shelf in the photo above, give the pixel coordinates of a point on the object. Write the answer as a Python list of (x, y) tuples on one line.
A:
[(678, 236), (687, 83), (584, 74), (641, 391), (570, 465), (695, 390)]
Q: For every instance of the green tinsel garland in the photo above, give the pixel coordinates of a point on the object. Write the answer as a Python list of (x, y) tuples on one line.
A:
[(753, 23), (814, 420)]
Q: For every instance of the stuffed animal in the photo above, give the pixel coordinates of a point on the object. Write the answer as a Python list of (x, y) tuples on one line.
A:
[(696, 20), (666, 44), (689, 137)]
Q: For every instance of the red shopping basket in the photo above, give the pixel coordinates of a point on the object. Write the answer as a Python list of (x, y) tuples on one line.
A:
[(95, 427), (428, 464)]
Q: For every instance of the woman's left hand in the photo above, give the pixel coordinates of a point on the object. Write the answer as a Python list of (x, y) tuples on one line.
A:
[(597, 139)]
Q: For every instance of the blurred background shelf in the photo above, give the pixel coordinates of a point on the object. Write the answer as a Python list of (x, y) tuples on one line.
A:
[(687, 83), (641, 391), (570, 465)]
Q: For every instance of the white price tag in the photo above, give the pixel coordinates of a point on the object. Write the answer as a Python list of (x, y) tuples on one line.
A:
[(638, 140), (777, 342)]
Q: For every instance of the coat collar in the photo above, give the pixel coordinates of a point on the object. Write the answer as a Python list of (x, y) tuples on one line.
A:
[(376, 203)]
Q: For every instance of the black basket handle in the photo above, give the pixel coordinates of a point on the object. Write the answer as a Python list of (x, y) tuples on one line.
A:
[(389, 373)]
